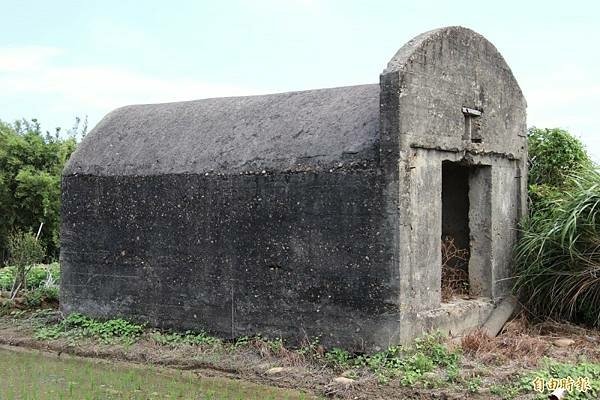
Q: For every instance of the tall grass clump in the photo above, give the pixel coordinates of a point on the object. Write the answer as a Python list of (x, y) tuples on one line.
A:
[(558, 254)]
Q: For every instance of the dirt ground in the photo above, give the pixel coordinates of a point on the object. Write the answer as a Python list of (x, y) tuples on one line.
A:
[(521, 347)]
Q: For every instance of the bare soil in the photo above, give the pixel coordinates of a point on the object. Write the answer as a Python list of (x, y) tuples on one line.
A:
[(518, 349)]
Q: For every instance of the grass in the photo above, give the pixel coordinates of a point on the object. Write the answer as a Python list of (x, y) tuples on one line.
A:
[(41, 288), (502, 367), (40, 377), (407, 363), (558, 256)]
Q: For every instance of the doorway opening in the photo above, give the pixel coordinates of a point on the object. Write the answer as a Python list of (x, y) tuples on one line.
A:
[(456, 243)]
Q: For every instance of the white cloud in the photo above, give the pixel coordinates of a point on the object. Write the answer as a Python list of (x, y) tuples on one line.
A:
[(107, 87), (34, 72), (30, 58)]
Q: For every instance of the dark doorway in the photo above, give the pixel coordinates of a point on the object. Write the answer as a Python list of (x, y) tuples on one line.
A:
[(455, 230)]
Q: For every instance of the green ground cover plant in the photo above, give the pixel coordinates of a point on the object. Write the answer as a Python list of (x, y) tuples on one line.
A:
[(77, 326), (407, 363), (188, 337), (583, 375)]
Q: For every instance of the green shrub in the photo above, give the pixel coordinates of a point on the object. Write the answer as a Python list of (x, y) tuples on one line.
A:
[(41, 274), (36, 297), (24, 251), (411, 363), (558, 255), (7, 278), (338, 358), (557, 258), (554, 154)]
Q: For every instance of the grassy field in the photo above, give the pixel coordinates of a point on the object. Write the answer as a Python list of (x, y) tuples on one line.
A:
[(35, 375)]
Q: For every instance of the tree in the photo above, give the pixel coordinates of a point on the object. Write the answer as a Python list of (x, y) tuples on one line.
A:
[(31, 163)]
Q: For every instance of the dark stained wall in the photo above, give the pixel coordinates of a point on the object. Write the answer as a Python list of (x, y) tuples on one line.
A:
[(291, 255)]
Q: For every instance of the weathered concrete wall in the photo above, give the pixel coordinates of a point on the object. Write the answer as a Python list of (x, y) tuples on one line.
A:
[(424, 89), (302, 214), (285, 255)]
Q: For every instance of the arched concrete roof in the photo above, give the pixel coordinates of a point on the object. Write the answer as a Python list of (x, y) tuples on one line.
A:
[(410, 52), (235, 134), (439, 72)]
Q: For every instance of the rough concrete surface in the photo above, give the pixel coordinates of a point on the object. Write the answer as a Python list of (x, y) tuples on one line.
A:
[(235, 134), (316, 213)]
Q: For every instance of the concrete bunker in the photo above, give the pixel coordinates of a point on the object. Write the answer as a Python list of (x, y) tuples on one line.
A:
[(303, 214)]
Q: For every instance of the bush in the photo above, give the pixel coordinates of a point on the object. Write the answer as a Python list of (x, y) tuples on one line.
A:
[(554, 154), (24, 251), (558, 255), (40, 275), (39, 296), (7, 278)]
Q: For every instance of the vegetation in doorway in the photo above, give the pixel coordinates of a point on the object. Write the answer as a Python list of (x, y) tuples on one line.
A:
[(455, 276)]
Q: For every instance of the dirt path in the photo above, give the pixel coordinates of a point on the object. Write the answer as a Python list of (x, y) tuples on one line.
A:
[(484, 361)]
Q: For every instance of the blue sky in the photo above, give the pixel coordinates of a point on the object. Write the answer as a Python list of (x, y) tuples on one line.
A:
[(61, 59)]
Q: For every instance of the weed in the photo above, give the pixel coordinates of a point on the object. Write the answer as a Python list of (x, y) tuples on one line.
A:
[(275, 345), (506, 391), (338, 358), (473, 385), (241, 341), (39, 275), (581, 372), (36, 297), (79, 326), (409, 363), (200, 338), (311, 347), (24, 251), (452, 373)]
